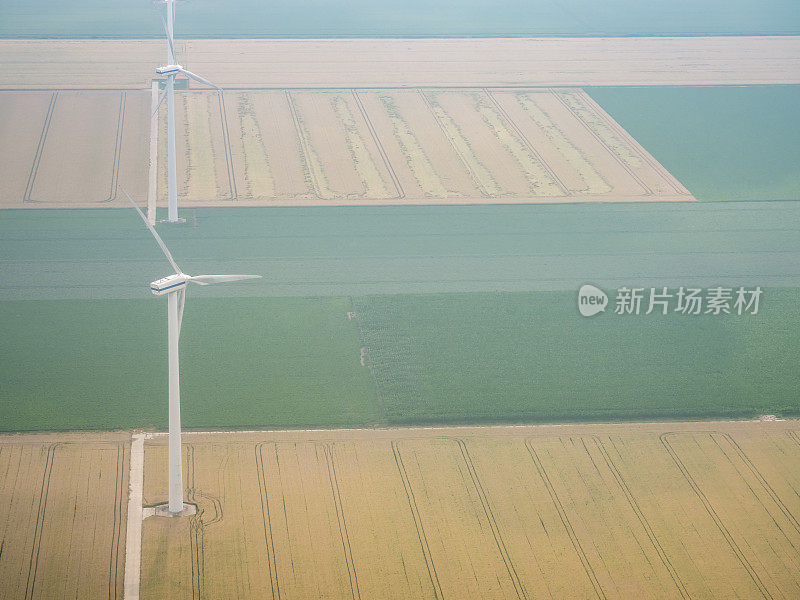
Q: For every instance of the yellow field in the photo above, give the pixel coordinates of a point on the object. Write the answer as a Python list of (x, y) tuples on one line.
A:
[(63, 509), (703, 510), (303, 147)]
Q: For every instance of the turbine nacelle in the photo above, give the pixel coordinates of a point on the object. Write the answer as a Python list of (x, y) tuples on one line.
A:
[(169, 70), (170, 284)]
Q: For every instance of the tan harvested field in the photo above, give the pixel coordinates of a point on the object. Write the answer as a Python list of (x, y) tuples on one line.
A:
[(338, 63), (331, 147), (679, 510), (72, 148), (63, 511)]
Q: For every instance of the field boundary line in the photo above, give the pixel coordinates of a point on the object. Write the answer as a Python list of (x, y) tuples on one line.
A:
[(562, 513), (133, 538), (226, 140), (37, 533), (112, 192), (342, 521), (645, 188), (265, 517), (550, 171), (401, 193), (760, 478), (475, 181), (713, 513), (634, 504), (487, 509), (116, 534), (423, 539), (37, 157)]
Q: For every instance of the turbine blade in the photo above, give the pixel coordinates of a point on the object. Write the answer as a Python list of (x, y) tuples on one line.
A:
[(207, 279), (199, 79), (153, 231), (160, 100), (170, 42)]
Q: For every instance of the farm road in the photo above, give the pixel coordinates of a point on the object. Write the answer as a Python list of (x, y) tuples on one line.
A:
[(107, 253)]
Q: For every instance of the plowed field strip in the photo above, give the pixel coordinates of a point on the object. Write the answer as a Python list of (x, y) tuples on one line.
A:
[(395, 180), (658, 168), (565, 519), (563, 188), (112, 192), (114, 582), (423, 540), (641, 517), (762, 480), (265, 511), (226, 140), (664, 437), (487, 509), (37, 536), (39, 149), (310, 161), (648, 191), (481, 178), (337, 501)]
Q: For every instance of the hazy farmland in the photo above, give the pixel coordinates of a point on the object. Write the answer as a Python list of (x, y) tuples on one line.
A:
[(292, 357), (684, 510), (409, 146), (296, 147), (319, 18)]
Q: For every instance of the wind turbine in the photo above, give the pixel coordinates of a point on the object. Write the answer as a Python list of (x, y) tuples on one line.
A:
[(171, 70), (174, 287)]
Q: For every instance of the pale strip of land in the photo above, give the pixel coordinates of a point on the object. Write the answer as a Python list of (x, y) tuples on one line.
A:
[(474, 62)]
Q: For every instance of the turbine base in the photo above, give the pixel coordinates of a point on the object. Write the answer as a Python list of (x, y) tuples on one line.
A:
[(162, 510)]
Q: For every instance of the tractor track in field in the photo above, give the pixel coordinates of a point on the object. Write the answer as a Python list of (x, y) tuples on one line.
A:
[(519, 589), (37, 157), (114, 584), (634, 504), (516, 129), (37, 534), (664, 437), (418, 525), (562, 513), (384, 156), (267, 519), (647, 191), (342, 521), (112, 192)]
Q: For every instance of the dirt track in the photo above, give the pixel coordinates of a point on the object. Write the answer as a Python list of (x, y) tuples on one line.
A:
[(59, 64)]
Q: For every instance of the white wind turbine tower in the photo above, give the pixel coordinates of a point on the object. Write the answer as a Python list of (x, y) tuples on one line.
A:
[(172, 69), (174, 287)]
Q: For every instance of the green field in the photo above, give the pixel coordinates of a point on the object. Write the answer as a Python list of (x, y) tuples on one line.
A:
[(324, 18), (437, 358), (532, 357), (467, 313), (100, 364), (722, 143)]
